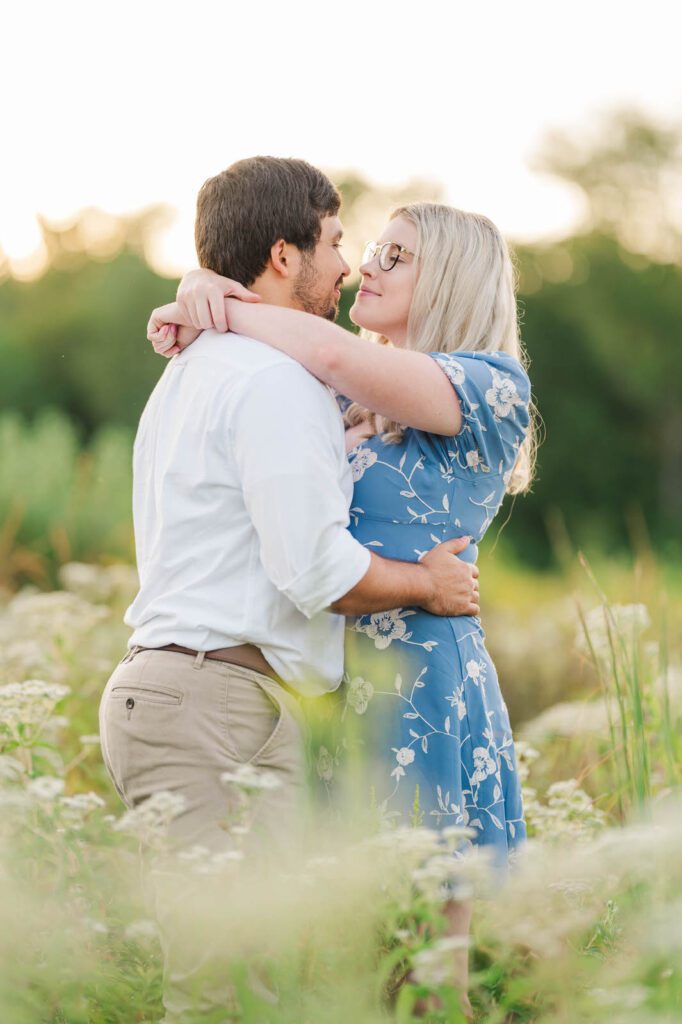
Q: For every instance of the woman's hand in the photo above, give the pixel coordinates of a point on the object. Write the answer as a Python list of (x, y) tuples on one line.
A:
[(199, 307), (170, 330), (203, 293)]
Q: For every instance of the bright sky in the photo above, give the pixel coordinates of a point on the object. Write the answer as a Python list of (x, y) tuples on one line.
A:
[(132, 103)]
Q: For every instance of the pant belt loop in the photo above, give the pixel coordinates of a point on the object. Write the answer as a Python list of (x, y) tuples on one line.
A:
[(199, 660)]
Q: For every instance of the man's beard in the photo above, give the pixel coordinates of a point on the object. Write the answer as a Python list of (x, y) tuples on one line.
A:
[(307, 294)]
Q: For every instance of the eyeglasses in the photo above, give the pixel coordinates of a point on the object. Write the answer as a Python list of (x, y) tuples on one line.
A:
[(389, 253)]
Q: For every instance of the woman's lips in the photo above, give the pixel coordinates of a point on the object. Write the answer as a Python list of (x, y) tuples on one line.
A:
[(366, 291)]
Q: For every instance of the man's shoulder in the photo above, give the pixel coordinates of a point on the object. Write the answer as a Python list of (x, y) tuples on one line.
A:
[(237, 353), (253, 367)]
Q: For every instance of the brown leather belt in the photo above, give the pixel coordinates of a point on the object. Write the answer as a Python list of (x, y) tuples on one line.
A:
[(245, 655)]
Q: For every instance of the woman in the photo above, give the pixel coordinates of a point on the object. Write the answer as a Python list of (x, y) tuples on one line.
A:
[(438, 430)]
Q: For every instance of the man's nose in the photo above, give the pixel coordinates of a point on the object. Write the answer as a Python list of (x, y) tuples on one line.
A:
[(346, 269)]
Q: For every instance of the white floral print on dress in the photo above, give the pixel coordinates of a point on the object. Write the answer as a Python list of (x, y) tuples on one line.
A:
[(404, 756), (359, 694), (362, 460), (453, 370), (483, 765), (502, 396), (384, 628)]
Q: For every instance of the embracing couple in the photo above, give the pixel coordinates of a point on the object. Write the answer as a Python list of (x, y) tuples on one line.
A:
[(295, 482)]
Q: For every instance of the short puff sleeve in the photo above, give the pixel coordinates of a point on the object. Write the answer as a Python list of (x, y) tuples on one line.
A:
[(494, 393)]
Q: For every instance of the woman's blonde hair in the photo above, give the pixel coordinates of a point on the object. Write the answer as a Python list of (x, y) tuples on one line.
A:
[(464, 300)]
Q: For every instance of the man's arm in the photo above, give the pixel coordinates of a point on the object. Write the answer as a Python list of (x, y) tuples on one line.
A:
[(441, 583), (286, 445)]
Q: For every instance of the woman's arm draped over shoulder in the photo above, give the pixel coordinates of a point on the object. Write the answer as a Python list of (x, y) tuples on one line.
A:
[(400, 385)]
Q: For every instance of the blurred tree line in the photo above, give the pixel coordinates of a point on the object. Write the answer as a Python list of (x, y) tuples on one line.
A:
[(601, 315)]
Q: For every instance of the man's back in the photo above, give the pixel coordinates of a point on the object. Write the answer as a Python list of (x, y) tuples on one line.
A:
[(240, 497)]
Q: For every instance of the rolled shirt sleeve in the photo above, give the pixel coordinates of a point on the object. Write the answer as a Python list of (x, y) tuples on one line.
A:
[(288, 447)]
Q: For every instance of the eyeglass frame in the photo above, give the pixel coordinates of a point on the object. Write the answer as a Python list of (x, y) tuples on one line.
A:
[(378, 249)]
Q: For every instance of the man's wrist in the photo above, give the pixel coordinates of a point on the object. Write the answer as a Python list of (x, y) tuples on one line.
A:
[(424, 591)]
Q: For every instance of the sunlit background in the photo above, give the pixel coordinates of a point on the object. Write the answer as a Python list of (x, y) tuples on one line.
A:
[(135, 104), (563, 123)]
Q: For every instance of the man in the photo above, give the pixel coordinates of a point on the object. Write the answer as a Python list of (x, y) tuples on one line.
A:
[(241, 493)]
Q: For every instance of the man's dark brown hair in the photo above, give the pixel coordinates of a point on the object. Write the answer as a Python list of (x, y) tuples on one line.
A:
[(245, 209)]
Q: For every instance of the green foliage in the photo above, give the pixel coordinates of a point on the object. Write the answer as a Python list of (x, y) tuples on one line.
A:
[(605, 363), (587, 928), (60, 500), (601, 314)]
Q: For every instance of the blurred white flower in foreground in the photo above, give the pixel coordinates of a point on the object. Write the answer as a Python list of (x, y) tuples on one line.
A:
[(151, 818), (141, 931), (76, 809), (434, 966), (607, 625), (29, 703), (99, 583), (46, 788), (251, 779)]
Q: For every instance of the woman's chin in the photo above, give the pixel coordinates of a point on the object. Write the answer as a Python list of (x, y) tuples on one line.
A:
[(356, 316)]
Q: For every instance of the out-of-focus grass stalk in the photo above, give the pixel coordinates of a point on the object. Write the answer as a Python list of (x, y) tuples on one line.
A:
[(672, 742), (644, 734), (618, 757)]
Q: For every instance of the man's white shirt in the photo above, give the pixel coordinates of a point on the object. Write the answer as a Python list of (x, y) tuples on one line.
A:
[(241, 491)]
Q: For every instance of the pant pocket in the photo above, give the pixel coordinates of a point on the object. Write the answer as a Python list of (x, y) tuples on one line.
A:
[(150, 693), (142, 733), (104, 747), (254, 716)]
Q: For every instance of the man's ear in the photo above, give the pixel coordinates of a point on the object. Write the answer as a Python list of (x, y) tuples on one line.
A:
[(281, 258)]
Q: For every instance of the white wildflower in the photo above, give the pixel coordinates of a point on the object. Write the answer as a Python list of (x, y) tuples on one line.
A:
[(98, 583), (193, 854), (46, 788), (98, 927), (435, 965), (151, 818), (249, 778), (569, 719), (90, 740), (141, 931), (607, 625), (437, 877), (11, 770), (216, 863), (454, 835), (76, 809), (30, 702), (22, 657), (54, 614)]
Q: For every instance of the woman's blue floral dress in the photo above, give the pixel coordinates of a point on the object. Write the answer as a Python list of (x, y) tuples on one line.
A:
[(420, 690)]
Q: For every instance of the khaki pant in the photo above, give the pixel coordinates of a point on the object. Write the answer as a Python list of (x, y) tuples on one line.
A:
[(175, 722)]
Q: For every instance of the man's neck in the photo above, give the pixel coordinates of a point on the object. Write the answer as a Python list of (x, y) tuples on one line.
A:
[(274, 292)]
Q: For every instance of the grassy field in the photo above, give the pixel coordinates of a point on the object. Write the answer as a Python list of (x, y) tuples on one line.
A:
[(588, 927)]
